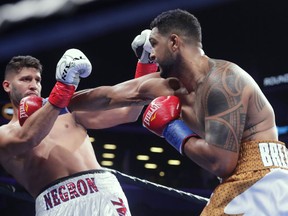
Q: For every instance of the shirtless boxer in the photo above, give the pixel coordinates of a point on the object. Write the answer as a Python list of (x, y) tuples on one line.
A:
[(50, 154), (225, 124)]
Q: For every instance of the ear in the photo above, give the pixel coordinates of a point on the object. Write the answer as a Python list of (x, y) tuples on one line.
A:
[(174, 40), (6, 86)]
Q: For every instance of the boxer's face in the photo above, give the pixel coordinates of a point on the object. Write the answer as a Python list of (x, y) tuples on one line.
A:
[(26, 82), (162, 52)]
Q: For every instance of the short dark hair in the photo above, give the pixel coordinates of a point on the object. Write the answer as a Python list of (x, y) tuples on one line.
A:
[(180, 21), (19, 62)]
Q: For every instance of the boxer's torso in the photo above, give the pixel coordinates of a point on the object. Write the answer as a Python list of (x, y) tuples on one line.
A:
[(64, 151), (259, 123)]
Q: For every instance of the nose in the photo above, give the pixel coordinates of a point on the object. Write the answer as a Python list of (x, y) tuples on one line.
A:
[(152, 55), (33, 85)]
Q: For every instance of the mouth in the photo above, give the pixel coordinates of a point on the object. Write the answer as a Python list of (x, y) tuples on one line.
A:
[(31, 93)]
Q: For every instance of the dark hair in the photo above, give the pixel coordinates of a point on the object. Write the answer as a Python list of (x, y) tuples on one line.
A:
[(179, 22), (18, 62)]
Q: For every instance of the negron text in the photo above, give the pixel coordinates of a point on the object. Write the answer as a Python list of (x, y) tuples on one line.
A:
[(68, 191)]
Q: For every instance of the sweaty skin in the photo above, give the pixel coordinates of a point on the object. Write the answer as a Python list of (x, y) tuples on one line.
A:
[(49, 146), (224, 105)]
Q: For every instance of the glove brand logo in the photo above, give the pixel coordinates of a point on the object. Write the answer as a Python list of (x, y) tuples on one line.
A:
[(23, 109), (151, 115), (67, 65), (64, 74), (26, 107)]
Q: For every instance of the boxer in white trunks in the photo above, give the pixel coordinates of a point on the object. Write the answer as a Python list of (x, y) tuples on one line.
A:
[(47, 149)]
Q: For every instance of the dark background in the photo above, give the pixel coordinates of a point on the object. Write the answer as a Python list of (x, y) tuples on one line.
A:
[(251, 33)]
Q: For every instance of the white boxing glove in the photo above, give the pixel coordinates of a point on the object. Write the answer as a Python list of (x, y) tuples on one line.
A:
[(73, 65), (142, 46)]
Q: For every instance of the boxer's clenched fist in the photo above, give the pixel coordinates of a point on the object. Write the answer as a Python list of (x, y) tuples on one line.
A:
[(142, 46), (142, 49), (71, 66), (162, 117), (28, 105)]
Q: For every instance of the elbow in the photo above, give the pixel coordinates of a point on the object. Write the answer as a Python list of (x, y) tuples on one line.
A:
[(221, 172), (223, 169), (28, 140)]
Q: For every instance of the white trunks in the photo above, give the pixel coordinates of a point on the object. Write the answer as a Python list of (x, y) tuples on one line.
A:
[(91, 193)]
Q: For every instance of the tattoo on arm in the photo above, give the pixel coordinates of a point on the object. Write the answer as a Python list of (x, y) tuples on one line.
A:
[(225, 114), (259, 102)]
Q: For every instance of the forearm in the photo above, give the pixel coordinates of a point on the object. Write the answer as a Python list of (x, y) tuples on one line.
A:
[(101, 98), (211, 158), (216, 160), (109, 97), (89, 100), (162, 117), (108, 118), (38, 125)]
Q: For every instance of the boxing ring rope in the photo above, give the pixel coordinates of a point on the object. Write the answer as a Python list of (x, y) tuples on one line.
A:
[(159, 188), (8, 187)]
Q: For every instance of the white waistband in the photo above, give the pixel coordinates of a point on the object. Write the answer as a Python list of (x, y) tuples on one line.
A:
[(80, 185), (273, 154)]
